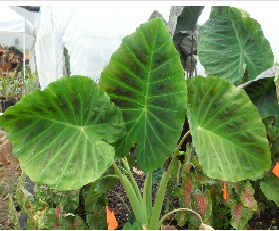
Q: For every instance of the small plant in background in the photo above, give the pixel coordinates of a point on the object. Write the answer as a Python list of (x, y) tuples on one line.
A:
[(51, 209), (219, 203), (13, 86), (31, 81), (46, 208), (10, 87)]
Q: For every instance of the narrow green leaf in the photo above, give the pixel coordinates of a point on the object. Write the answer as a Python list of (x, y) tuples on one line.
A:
[(145, 79), (60, 134), (227, 131), (230, 44)]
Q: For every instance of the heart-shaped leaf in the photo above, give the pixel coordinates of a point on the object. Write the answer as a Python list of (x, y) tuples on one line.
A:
[(230, 44), (240, 216), (227, 131), (247, 197), (270, 188), (202, 204), (60, 134), (145, 79)]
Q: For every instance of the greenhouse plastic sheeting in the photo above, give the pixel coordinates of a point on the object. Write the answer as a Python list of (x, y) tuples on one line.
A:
[(90, 33), (11, 24), (89, 51)]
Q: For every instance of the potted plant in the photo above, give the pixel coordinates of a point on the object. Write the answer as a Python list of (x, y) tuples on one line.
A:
[(14, 86), (9, 90)]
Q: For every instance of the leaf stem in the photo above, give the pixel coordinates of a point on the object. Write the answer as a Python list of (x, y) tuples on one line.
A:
[(178, 210), (140, 215), (147, 194), (132, 179), (160, 194)]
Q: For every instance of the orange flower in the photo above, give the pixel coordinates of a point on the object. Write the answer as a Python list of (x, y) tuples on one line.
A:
[(225, 193), (111, 220), (275, 170)]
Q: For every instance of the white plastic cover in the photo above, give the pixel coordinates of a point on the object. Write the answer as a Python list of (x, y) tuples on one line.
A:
[(68, 27), (90, 33), (12, 22)]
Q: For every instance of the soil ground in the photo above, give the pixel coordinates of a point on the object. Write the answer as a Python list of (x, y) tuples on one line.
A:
[(9, 174)]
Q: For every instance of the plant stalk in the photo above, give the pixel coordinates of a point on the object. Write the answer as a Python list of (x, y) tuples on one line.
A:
[(132, 179), (147, 194), (138, 210), (160, 194), (191, 65), (178, 210)]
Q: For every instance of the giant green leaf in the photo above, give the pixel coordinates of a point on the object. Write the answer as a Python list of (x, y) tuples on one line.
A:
[(60, 134), (227, 131), (231, 46), (145, 79)]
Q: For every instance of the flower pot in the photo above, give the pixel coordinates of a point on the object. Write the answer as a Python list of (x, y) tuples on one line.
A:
[(5, 104)]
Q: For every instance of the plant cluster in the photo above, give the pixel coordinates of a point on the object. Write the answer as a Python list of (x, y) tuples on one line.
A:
[(14, 86), (77, 132)]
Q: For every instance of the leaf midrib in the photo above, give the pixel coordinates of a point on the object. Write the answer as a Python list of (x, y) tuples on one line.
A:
[(242, 51), (66, 124)]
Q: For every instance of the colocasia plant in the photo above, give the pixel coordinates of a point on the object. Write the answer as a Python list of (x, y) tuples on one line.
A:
[(76, 132)]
